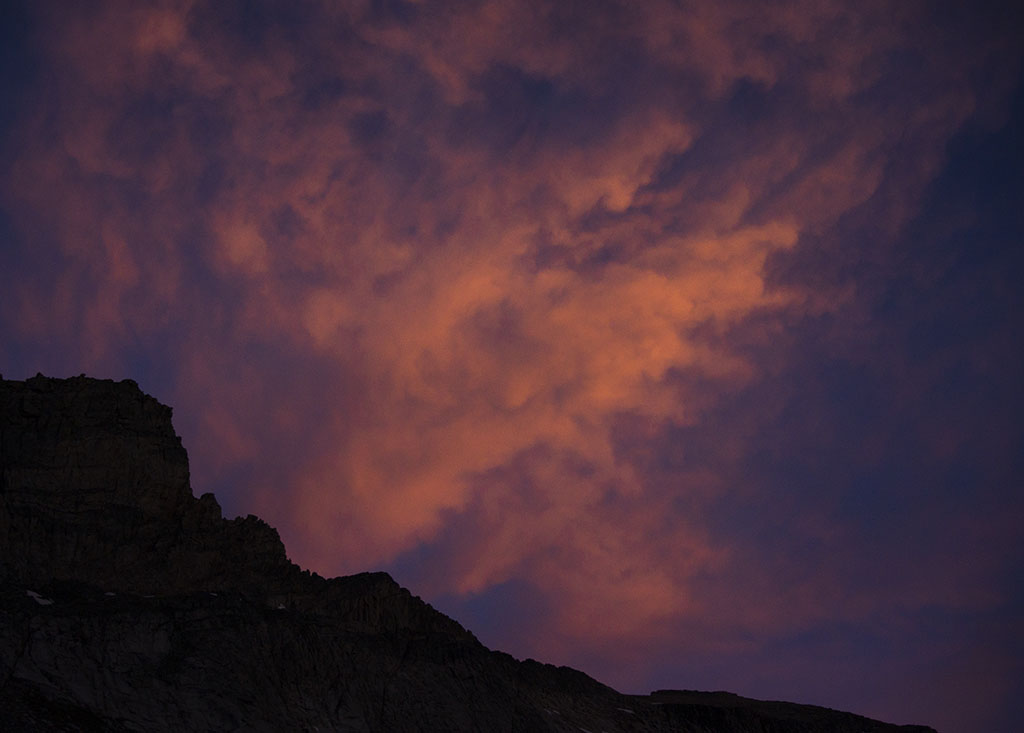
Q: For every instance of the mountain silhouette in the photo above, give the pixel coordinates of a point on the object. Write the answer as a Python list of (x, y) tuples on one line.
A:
[(127, 604)]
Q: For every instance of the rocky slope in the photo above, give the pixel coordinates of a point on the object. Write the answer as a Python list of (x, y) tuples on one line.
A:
[(126, 604)]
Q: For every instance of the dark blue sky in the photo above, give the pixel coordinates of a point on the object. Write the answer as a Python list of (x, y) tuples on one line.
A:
[(680, 346)]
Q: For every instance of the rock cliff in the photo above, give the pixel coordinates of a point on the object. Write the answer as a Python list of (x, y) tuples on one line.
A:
[(126, 604)]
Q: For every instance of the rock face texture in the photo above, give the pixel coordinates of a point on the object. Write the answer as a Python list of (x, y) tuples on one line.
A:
[(126, 604)]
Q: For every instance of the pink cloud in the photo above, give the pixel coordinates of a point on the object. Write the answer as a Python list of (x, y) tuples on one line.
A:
[(468, 322)]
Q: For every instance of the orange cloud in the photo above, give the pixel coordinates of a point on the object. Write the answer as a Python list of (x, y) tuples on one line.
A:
[(478, 297)]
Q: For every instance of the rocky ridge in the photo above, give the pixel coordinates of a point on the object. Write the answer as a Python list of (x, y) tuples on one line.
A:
[(127, 604)]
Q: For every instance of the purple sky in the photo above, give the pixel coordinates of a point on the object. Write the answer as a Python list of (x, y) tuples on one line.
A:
[(677, 345)]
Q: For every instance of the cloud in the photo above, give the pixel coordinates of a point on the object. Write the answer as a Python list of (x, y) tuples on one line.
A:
[(514, 295)]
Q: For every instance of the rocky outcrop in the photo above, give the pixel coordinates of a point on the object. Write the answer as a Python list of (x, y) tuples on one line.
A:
[(95, 489), (127, 604)]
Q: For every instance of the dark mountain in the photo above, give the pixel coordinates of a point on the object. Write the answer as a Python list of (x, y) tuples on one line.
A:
[(126, 604)]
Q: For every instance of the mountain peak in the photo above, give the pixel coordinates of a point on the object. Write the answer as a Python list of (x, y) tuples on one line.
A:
[(126, 603)]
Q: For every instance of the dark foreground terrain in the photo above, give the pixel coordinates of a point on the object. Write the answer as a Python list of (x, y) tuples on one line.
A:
[(126, 604)]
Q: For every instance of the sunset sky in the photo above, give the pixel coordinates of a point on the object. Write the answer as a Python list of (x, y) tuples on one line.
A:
[(678, 342)]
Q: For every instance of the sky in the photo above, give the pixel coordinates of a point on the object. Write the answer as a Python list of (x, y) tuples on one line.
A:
[(672, 341)]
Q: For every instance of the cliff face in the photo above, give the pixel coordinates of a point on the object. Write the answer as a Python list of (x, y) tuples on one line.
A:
[(95, 489), (128, 604)]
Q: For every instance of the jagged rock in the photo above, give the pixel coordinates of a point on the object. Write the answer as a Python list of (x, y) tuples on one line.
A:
[(95, 489), (126, 604)]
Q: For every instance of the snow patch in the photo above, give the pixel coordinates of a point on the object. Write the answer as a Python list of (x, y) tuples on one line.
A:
[(39, 599)]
